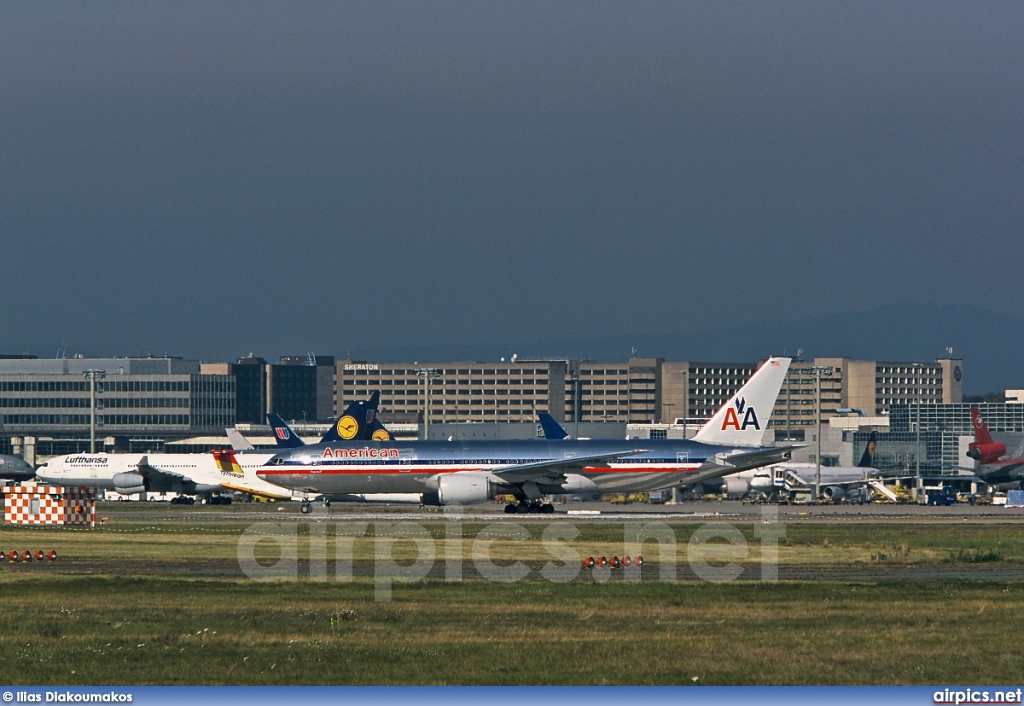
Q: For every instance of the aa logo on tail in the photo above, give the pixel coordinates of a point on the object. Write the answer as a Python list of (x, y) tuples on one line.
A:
[(732, 417)]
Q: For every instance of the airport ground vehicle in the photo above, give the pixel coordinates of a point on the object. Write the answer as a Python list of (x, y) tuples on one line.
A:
[(940, 496)]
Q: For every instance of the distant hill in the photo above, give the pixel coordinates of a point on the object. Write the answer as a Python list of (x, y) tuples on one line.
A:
[(990, 344)]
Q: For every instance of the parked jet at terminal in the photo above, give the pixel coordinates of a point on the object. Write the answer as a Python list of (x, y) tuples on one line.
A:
[(992, 468), (786, 478), (464, 472)]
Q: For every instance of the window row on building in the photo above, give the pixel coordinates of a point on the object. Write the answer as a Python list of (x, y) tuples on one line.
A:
[(649, 390)]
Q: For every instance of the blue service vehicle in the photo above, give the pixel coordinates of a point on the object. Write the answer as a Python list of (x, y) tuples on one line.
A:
[(940, 496)]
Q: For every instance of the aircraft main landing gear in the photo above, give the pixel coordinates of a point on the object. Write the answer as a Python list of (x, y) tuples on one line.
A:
[(307, 507), (529, 507)]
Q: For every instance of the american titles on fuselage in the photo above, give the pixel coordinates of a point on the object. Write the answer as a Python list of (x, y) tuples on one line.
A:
[(364, 452)]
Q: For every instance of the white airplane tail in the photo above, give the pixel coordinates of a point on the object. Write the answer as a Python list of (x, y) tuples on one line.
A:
[(742, 420)]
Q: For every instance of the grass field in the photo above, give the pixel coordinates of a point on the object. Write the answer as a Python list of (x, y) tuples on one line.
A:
[(141, 602)]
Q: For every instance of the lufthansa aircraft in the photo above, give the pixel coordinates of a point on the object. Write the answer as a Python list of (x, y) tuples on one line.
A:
[(464, 472), (205, 475)]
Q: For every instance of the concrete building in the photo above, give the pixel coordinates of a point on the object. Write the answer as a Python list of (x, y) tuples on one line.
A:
[(299, 388), (250, 375), (47, 403), (509, 391), (639, 391)]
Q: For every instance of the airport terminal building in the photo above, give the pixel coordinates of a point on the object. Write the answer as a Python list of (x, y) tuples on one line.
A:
[(641, 390), (46, 405)]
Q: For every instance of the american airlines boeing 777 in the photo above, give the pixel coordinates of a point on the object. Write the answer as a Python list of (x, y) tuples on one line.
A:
[(464, 472)]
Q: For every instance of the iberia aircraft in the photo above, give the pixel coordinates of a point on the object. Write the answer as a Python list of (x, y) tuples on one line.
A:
[(464, 472)]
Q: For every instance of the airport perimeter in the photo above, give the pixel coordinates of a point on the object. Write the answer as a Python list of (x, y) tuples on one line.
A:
[(869, 594)]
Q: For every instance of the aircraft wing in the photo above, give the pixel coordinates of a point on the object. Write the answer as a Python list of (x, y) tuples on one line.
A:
[(728, 463), (1010, 466), (553, 470), (159, 478)]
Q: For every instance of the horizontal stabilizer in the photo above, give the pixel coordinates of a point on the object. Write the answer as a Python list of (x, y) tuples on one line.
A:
[(728, 463)]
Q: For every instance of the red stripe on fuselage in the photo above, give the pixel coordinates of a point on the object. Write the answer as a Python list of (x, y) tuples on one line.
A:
[(370, 470)]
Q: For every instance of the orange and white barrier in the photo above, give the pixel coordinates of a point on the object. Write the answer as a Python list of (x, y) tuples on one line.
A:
[(50, 505)]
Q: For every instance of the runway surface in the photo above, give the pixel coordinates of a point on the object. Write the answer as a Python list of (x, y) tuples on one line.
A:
[(699, 511)]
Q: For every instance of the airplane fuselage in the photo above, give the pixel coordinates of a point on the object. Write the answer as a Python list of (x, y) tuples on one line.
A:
[(196, 473), (415, 466), (15, 468), (1001, 473)]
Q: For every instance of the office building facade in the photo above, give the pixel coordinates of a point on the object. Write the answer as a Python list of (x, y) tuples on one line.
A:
[(641, 390), (140, 398)]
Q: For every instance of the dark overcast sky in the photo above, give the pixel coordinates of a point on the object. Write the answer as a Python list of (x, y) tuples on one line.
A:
[(212, 178)]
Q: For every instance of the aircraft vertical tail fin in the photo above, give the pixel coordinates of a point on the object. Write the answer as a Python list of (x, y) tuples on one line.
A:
[(981, 432), (984, 449), (238, 440), (868, 459), (742, 420), (283, 434), (227, 463), (359, 423), (552, 429)]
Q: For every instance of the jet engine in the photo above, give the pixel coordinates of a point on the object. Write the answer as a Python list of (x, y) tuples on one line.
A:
[(736, 487), (129, 483), (833, 493), (986, 453), (464, 488)]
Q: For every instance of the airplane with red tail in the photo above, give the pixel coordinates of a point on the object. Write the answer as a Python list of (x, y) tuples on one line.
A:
[(992, 468)]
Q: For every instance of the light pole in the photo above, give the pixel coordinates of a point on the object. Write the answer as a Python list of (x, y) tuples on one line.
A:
[(92, 375), (918, 483), (427, 374), (686, 398), (577, 404), (789, 395), (819, 372)]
